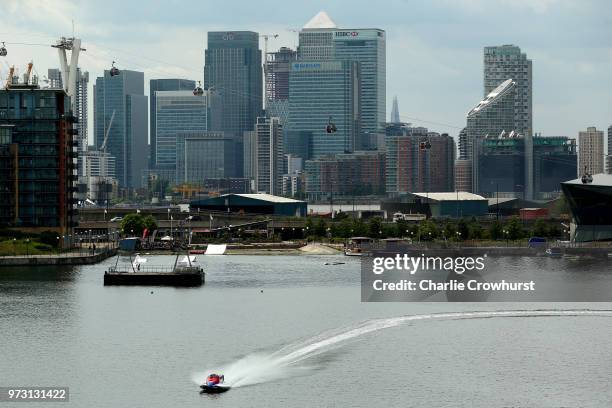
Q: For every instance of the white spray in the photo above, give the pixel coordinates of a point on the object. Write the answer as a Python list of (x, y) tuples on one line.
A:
[(290, 360)]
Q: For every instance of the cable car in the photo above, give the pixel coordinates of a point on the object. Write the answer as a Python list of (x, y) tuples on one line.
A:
[(114, 71), (3, 50), (426, 145), (331, 127), (198, 91), (587, 178)]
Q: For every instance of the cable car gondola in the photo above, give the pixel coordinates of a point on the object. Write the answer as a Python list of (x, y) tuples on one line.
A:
[(3, 51), (331, 127), (426, 145), (114, 71), (198, 91)]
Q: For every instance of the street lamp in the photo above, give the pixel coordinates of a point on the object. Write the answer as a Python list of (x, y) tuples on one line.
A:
[(15, 246)]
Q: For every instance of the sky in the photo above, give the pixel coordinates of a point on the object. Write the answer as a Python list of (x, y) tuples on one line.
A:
[(434, 47)]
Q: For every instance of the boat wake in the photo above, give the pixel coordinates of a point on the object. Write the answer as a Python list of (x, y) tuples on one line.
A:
[(299, 358)]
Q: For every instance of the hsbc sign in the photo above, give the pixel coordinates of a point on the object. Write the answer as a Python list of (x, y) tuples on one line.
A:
[(346, 33)]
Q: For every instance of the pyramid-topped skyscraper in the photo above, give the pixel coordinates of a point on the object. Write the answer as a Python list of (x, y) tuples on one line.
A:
[(355, 99), (321, 20)]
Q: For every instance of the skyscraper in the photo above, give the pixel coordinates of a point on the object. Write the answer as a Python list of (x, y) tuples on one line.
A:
[(276, 70), (508, 62), (321, 92), (81, 106), (233, 69), (590, 151), (121, 97), (609, 156), (162, 85), (176, 112), (395, 117), (492, 116), (321, 39), (269, 135)]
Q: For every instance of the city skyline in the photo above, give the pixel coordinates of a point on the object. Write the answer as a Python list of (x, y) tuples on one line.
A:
[(436, 74)]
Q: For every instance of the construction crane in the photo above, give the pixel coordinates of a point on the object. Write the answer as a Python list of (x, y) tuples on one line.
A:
[(9, 80), (26, 76), (266, 37), (110, 123)]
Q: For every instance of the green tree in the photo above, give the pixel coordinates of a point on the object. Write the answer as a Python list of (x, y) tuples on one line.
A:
[(340, 215), (308, 226), (401, 229), (49, 238), (475, 230), (514, 228), (449, 230), (540, 228), (375, 227), (320, 229), (133, 223), (150, 223), (496, 230), (428, 230), (463, 229), (359, 228)]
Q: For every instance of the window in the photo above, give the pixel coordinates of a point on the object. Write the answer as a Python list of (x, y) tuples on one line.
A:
[(5, 136)]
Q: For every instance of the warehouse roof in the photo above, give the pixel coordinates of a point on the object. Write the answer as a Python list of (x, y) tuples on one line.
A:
[(598, 180), (451, 196), (266, 197)]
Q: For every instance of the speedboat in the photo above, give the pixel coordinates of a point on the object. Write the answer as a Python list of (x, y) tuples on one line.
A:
[(214, 384), (214, 389)]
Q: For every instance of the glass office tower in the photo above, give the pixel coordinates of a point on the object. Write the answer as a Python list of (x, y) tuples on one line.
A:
[(177, 112), (123, 95), (155, 85), (318, 91), (233, 68), (366, 46)]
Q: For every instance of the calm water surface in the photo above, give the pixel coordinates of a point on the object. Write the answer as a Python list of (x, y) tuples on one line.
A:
[(296, 334)]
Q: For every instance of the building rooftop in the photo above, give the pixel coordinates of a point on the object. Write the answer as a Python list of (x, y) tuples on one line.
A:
[(266, 197), (498, 92), (451, 196), (598, 180), (321, 20)]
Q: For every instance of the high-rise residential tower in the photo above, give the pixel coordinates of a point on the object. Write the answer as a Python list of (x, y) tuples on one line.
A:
[(590, 151), (233, 69), (276, 71), (269, 137), (492, 116), (508, 62), (321, 39), (155, 85), (36, 159), (121, 97)]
